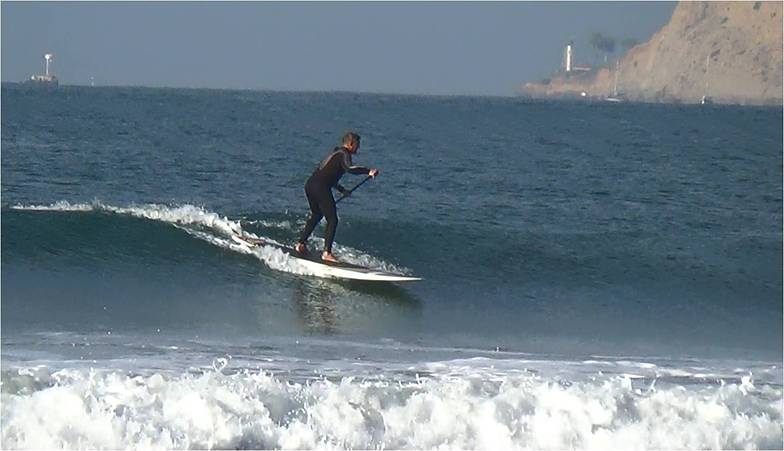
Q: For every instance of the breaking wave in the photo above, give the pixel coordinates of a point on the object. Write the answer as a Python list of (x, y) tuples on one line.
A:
[(254, 409), (217, 230)]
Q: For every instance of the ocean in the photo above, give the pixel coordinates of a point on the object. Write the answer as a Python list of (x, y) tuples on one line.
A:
[(595, 275)]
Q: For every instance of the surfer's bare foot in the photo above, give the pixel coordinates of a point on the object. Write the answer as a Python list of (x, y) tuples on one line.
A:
[(328, 257), (301, 248)]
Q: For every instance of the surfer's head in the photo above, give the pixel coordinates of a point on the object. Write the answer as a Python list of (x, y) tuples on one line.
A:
[(351, 141)]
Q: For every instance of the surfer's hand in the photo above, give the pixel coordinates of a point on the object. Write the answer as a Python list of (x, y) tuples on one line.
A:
[(373, 173)]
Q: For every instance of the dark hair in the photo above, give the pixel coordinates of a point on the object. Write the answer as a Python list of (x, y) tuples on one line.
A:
[(350, 137)]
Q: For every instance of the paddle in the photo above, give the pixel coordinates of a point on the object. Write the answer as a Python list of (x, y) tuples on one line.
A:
[(352, 189)]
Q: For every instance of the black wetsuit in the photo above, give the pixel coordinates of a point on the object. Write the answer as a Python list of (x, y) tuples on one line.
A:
[(318, 189)]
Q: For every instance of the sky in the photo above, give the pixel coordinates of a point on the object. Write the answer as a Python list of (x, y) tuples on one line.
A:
[(442, 48)]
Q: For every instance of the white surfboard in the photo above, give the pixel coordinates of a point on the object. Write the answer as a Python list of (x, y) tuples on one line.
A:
[(320, 268)]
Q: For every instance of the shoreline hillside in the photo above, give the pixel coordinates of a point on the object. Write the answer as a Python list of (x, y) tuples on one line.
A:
[(725, 52)]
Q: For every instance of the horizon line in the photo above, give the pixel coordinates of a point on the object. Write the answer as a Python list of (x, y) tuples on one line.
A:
[(300, 91)]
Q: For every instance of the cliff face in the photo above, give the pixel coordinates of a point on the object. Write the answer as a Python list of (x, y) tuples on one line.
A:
[(729, 51)]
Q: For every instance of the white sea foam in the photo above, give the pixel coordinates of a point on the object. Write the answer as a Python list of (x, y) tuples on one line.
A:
[(272, 257), (217, 230), (62, 205), (183, 215), (253, 409), (283, 225)]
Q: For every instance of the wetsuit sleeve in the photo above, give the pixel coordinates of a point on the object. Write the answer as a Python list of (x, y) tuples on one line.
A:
[(348, 167)]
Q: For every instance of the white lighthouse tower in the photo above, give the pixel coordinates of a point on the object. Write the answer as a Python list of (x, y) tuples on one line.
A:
[(48, 57), (567, 63)]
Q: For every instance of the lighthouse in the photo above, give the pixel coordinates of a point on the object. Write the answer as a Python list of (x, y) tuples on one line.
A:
[(567, 62), (48, 57), (47, 79)]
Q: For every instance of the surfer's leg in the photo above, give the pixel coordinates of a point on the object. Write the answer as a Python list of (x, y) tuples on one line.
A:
[(315, 217), (331, 214)]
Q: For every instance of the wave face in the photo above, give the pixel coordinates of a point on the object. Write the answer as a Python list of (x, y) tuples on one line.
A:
[(179, 262), (593, 275)]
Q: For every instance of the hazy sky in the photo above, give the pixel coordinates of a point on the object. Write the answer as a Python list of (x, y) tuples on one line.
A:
[(393, 47)]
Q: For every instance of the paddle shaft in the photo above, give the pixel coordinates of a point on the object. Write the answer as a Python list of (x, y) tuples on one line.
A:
[(352, 189)]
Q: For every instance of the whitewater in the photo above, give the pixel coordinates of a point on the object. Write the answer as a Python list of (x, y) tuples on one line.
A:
[(458, 404)]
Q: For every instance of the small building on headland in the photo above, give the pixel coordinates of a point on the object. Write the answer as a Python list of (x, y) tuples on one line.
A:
[(46, 79)]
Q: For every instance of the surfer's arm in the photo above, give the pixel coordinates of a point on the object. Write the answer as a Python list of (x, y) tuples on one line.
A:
[(350, 168)]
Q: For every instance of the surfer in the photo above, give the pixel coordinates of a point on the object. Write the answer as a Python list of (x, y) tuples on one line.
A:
[(318, 190)]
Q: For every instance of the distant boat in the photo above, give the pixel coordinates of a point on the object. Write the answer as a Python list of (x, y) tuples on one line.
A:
[(706, 100), (48, 80)]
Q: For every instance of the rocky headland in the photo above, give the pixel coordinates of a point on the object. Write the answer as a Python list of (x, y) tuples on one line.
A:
[(724, 52)]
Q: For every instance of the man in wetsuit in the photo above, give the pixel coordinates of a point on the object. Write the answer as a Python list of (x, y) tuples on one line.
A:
[(318, 189)]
